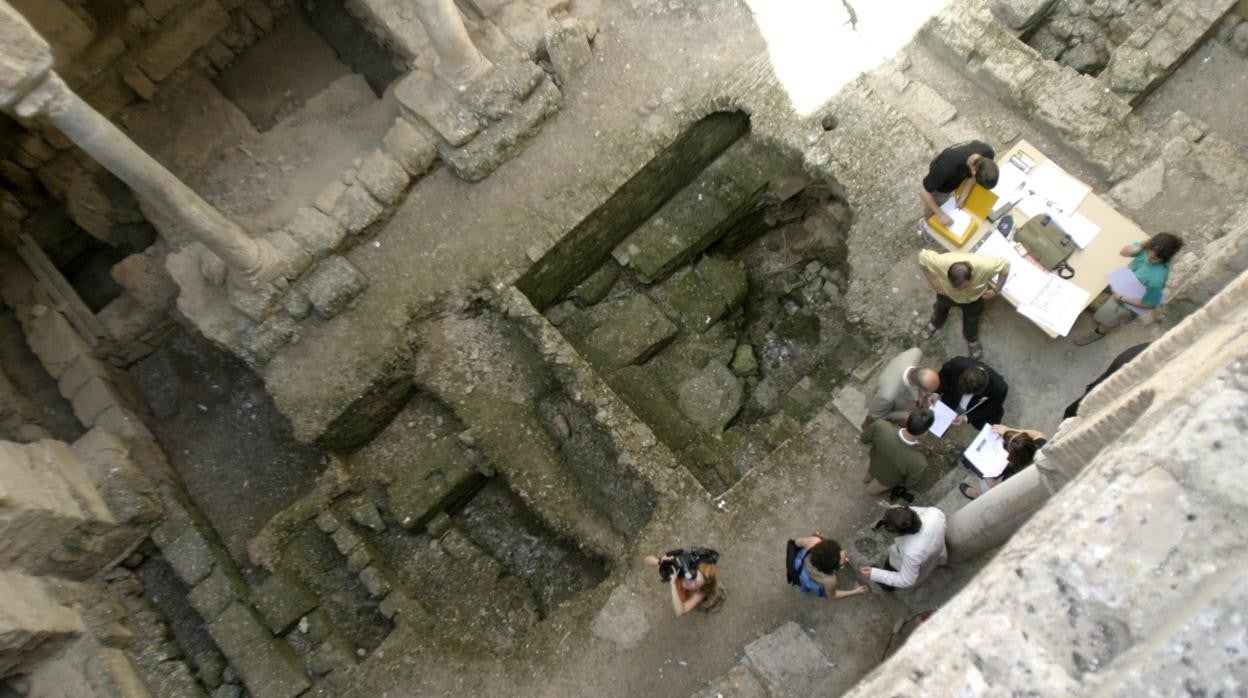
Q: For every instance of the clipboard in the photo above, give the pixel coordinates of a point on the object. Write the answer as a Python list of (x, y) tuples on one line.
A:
[(978, 204)]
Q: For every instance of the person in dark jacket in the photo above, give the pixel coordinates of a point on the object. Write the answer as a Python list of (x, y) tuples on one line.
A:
[(1119, 361), (973, 390)]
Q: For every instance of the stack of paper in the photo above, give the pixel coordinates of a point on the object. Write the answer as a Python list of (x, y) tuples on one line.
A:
[(987, 453), (1056, 306), (1025, 280), (961, 219), (1052, 183), (1125, 282), (944, 417)]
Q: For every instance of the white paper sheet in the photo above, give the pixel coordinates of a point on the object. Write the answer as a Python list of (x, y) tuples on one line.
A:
[(1010, 182), (1125, 281), (987, 453), (1054, 185), (944, 417), (1032, 206), (961, 219), (1077, 226), (1025, 280), (1056, 306)]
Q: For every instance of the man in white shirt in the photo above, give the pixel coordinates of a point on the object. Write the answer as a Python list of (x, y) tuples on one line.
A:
[(918, 548)]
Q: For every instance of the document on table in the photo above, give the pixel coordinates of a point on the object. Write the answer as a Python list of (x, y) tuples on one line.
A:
[(961, 219), (1026, 280), (1056, 306), (1077, 226), (987, 453), (1033, 205), (1010, 182), (1053, 184), (1125, 282), (944, 417)]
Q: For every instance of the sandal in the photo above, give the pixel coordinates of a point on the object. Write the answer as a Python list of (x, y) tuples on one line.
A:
[(965, 489), (927, 332), (976, 350)]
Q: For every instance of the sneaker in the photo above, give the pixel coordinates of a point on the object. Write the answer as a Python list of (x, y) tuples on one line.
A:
[(927, 332), (976, 350), (1089, 338)]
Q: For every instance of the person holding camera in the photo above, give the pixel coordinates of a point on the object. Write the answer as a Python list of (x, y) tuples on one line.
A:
[(692, 577), (916, 552), (812, 565)]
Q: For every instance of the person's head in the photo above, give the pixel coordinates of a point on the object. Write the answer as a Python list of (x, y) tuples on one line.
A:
[(1021, 449), (1162, 247), (827, 556), (973, 381), (986, 173), (705, 578), (927, 379), (919, 421), (960, 274), (900, 520)]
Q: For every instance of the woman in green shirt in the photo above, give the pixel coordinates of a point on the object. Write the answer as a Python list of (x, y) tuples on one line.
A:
[(1150, 262)]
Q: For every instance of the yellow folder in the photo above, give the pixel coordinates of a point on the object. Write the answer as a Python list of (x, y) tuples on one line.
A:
[(978, 204)]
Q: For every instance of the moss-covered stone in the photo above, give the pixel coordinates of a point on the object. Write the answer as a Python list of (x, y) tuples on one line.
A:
[(632, 333), (597, 285)]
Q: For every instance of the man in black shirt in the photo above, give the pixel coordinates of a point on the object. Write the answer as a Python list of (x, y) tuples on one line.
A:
[(951, 171)]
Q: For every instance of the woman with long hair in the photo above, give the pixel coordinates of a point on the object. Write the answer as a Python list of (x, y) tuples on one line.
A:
[(1021, 446), (693, 586)]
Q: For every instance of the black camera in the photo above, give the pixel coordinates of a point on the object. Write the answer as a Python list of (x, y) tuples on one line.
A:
[(685, 562)]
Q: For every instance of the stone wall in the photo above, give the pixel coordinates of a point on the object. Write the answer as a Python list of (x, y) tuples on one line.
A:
[(1130, 580)]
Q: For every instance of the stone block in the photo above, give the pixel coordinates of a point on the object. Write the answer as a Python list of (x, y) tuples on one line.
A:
[(632, 332), (157, 9), (334, 653), (295, 258), (744, 362), (259, 14), (138, 81), (526, 26), (711, 398), (503, 139), (281, 602), (190, 556), (83, 369), (177, 41), (737, 683), (500, 91), (597, 285), (259, 344), (375, 582), (130, 495), (318, 233), (356, 209), (327, 198), (410, 147), (1021, 15), (55, 342), (122, 422), (327, 522), (266, 664), (568, 49), (383, 177), (358, 560), (787, 660), (215, 593), (622, 619), (55, 460), (66, 30), (332, 285), (346, 540), (32, 625), (92, 399), (436, 104)]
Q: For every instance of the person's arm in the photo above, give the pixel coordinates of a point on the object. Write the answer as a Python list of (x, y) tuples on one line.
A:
[(1132, 250), (1002, 275), (927, 258), (933, 208), (808, 542), (682, 602), (964, 191), (901, 579), (834, 593)]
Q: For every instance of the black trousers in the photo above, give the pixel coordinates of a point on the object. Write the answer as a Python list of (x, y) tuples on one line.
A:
[(970, 315)]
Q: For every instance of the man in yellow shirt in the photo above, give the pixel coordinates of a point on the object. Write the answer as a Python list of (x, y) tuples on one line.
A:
[(965, 280)]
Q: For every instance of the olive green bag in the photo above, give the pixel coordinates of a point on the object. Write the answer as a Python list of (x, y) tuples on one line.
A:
[(1047, 243)]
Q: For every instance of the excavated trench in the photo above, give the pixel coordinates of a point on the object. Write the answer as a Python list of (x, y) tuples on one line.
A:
[(707, 291)]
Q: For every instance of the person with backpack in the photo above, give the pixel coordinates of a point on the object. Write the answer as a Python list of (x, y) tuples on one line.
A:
[(811, 564)]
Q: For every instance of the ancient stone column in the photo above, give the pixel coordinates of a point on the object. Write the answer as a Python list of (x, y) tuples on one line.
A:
[(989, 521), (29, 87), (459, 61)]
